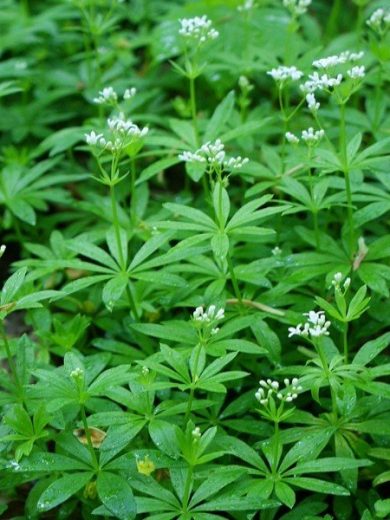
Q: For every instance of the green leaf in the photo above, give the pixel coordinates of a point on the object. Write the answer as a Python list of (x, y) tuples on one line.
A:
[(358, 304), (164, 435), (328, 464), (152, 245), (110, 378), (21, 209), (156, 168), (113, 246), (220, 245), (113, 290), (12, 285), (62, 489), (117, 496), (220, 117), (319, 486), (285, 494), (371, 349)]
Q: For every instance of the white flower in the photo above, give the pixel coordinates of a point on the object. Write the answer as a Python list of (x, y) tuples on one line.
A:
[(191, 157), (198, 28), (235, 163), (297, 7), (379, 21), (347, 283), (129, 93), (244, 83), (312, 137), (92, 138), (269, 388), (315, 326), (106, 96), (77, 373), (208, 315), (338, 59), (291, 138), (283, 73), (276, 251), (2, 250), (214, 154), (357, 72), (317, 82), (312, 103), (196, 433)]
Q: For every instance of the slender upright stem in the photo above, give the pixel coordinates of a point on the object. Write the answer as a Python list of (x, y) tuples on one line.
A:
[(345, 341), (345, 169), (132, 190), (116, 224), (276, 446), (122, 261), (88, 436), (193, 108)]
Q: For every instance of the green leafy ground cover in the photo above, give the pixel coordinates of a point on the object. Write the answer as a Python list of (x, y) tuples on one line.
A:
[(194, 201)]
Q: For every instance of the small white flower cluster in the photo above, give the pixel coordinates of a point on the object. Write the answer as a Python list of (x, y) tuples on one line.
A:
[(323, 82), (310, 136), (379, 21), (77, 373), (196, 434), (209, 316), (283, 73), (14, 465), (245, 84), (246, 6), (123, 133), (198, 28), (297, 7), (268, 388), (337, 279), (315, 326), (108, 96), (338, 59), (129, 93), (312, 103), (215, 155), (357, 72)]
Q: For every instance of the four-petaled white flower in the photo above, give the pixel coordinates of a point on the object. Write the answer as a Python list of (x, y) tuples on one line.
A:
[(311, 136), (106, 96), (198, 28), (283, 73), (316, 326), (270, 388), (357, 72), (312, 103)]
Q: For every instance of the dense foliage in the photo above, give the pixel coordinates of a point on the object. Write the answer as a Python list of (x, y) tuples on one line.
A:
[(194, 207)]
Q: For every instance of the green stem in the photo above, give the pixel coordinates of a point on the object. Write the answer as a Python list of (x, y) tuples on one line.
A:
[(132, 190), (236, 288), (120, 251), (345, 341), (88, 436), (193, 109), (116, 223), (345, 169), (276, 446)]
